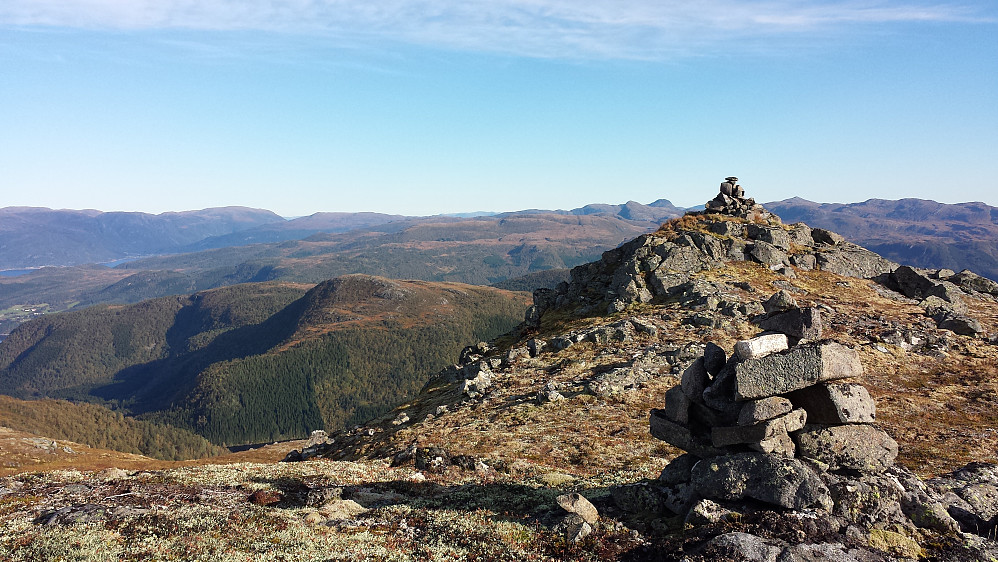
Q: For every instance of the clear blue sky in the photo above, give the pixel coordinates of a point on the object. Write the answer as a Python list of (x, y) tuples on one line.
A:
[(427, 106)]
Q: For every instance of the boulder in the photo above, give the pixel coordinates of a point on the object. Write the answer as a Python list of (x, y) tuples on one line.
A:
[(771, 479), (781, 444), (798, 368), (806, 262), (714, 358), (959, 324), (850, 260), (727, 228), (860, 447), (780, 300), (678, 469), (800, 323), (769, 234), (695, 379), (970, 281), (678, 435), (577, 503), (677, 405), (763, 431), (755, 411), (836, 403), (761, 346), (768, 254), (800, 234), (822, 236), (912, 282), (740, 546)]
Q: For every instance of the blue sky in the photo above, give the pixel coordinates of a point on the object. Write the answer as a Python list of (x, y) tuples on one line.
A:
[(427, 106)]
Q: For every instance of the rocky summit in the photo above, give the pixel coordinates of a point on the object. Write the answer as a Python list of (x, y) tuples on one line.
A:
[(728, 387)]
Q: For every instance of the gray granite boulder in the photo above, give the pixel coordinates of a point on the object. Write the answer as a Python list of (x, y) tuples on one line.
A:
[(771, 479), (798, 368), (822, 236), (860, 447), (755, 411), (762, 431), (780, 300), (836, 403), (740, 546), (761, 346), (768, 254)]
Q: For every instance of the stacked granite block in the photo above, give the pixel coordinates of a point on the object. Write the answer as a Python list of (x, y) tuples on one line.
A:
[(768, 421)]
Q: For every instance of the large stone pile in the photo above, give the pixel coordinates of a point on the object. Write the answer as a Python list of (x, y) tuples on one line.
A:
[(731, 200), (767, 409), (782, 425)]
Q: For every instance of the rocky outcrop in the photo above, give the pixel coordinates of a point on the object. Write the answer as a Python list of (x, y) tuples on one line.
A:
[(664, 266)]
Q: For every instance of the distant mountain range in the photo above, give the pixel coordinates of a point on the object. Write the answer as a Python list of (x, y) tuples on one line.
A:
[(521, 250), (33, 236), (36, 237), (910, 231)]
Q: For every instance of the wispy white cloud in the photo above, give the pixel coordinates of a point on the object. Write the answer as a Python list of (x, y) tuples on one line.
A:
[(540, 28)]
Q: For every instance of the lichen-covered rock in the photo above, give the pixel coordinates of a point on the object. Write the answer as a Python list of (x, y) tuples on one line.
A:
[(740, 546), (850, 260), (577, 503), (755, 411), (779, 301), (762, 431), (770, 479), (835, 403), (798, 368), (853, 447), (768, 254)]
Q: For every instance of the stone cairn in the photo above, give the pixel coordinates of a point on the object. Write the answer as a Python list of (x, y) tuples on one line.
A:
[(732, 201), (771, 424)]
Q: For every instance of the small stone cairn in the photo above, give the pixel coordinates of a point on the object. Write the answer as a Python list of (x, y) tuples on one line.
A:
[(732, 201), (768, 424)]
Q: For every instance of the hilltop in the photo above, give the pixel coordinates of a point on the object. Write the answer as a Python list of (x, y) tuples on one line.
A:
[(483, 461)]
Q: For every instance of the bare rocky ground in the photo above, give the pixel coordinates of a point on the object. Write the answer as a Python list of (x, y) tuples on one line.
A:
[(473, 467)]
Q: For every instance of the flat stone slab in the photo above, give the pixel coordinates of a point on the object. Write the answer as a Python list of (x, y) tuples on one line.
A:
[(679, 435), (756, 411), (677, 405), (761, 346), (772, 479), (801, 367), (854, 447), (737, 435), (836, 403)]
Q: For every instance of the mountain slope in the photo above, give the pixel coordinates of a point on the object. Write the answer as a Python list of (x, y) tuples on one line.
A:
[(256, 362)]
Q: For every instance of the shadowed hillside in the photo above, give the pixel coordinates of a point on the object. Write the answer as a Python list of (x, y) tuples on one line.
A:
[(256, 362)]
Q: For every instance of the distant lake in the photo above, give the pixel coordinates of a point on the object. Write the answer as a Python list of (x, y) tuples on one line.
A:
[(15, 272)]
